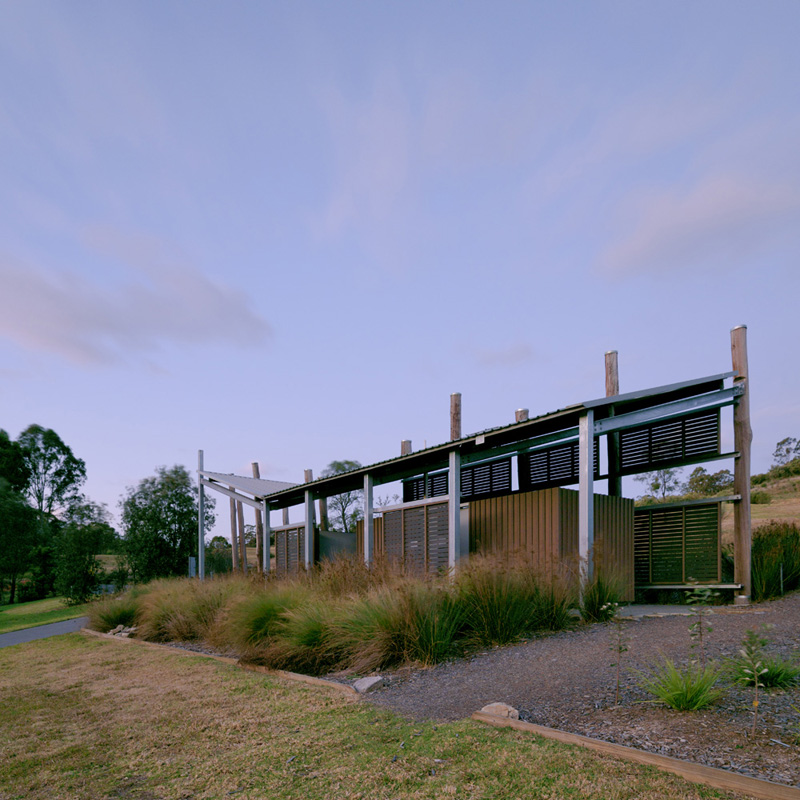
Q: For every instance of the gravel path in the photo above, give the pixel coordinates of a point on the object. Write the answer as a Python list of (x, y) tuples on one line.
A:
[(567, 681)]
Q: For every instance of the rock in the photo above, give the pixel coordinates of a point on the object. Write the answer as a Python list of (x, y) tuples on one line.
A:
[(117, 630), (364, 685), (501, 710)]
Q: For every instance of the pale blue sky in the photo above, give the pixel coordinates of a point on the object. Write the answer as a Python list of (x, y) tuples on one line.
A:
[(286, 232)]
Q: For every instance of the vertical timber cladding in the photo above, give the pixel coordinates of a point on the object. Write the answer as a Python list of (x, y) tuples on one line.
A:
[(416, 537), (378, 546), (677, 545), (542, 527), (289, 548)]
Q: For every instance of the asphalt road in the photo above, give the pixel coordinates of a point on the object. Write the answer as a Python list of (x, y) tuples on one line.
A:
[(42, 631)]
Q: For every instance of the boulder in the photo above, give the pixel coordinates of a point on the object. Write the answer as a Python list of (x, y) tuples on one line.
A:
[(364, 685), (501, 710)]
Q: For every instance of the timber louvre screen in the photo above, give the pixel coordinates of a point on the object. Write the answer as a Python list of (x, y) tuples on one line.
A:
[(417, 537), (289, 549), (673, 546), (672, 442), (477, 480), (553, 466)]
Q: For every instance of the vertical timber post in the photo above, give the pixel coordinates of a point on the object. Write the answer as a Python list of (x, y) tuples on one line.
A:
[(612, 389), (455, 416), (234, 538), (308, 550), (242, 540), (521, 415), (369, 521), (454, 510), (742, 438), (201, 519), (586, 495), (286, 515), (259, 525), (266, 533), (405, 447)]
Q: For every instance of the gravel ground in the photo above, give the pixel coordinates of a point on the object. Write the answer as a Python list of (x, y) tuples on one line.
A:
[(567, 681)]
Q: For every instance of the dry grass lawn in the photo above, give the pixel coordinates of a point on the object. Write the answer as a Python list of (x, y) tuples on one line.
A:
[(86, 718)]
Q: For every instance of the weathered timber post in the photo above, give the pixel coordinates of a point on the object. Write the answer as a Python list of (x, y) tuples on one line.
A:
[(612, 389), (369, 521), (201, 519), (455, 416), (259, 525), (286, 515), (242, 541), (405, 447), (742, 438), (308, 550), (234, 537), (323, 513), (521, 415)]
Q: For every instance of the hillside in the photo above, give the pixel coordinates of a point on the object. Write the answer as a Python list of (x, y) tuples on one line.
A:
[(785, 505)]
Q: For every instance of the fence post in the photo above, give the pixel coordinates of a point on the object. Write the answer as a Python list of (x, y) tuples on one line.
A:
[(742, 438)]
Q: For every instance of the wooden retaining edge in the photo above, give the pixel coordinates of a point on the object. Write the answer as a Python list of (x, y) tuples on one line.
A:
[(234, 662), (696, 773)]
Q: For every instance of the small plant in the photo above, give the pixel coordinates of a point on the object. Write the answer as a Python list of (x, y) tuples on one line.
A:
[(752, 667), (699, 600), (619, 641), (600, 595), (777, 672), (690, 689)]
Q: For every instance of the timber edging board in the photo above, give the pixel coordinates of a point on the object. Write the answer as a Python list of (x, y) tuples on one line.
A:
[(233, 662), (696, 773)]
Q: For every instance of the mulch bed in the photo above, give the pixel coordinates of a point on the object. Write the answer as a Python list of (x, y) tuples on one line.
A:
[(567, 681)]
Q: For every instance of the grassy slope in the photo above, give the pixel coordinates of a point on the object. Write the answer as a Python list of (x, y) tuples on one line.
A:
[(37, 612), (92, 719), (785, 506)]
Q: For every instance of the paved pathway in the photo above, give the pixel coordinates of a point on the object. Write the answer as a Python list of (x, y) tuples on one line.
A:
[(42, 631)]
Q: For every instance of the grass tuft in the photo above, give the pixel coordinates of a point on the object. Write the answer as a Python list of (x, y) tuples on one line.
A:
[(690, 689)]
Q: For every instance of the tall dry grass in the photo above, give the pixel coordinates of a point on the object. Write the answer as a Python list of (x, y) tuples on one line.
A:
[(345, 616)]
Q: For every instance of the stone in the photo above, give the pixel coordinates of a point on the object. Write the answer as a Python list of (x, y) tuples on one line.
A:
[(364, 685), (117, 630), (501, 710)]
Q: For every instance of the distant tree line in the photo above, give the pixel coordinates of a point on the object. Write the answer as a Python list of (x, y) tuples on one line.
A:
[(51, 533)]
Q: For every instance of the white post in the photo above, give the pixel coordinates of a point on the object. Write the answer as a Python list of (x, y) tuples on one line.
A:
[(266, 530), (201, 513), (454, 510), (586, 493), (369, 523), (308, 552)]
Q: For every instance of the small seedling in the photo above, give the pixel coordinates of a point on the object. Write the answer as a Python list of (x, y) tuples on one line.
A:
[(619, 639), (752, 666), (699, 600)]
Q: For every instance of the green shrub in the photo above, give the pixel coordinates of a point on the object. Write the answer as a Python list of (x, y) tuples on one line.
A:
[(433, 622), (760, 497), (120, 609), (600, 597), (689, 689), (776, 548)]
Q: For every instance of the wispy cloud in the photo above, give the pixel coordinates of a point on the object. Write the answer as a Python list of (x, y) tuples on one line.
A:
[(156, 301), (510, 356), (721, 219)]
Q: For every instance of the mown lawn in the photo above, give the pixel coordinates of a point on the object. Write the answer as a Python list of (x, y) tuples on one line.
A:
[(87, 718), (37, 612)]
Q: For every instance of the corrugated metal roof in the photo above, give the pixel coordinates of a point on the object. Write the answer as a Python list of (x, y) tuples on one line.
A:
[(435, 457), (258, 487)]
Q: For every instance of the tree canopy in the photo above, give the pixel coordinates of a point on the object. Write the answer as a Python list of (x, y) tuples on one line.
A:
[(159, 519), (55, 474), (344, 509)]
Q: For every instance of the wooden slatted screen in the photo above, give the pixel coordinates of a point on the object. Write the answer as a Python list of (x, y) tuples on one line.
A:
[(289, 549), (477, 480), (678, 545), (552, 466), (672, 442)]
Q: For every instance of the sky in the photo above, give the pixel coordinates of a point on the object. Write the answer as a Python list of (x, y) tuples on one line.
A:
[(286, 232)]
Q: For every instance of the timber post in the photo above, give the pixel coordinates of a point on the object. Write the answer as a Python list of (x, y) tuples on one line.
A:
[(742, 438), (405, 447), (454, 509), (455, 416), (259, 525), (612, 389), (521, 415)]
